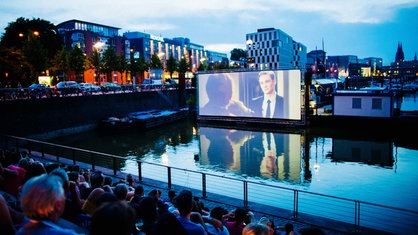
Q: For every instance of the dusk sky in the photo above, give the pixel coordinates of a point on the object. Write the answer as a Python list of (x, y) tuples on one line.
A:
[(370, 28)]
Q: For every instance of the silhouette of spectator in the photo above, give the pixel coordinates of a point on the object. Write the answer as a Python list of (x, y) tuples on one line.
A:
[(219, 92), (184, 203), (113, 218), (149, 214), (236, 226), (42, 202), (217, 213), (121, 191), (311, 231), (72, 197), (255, 229), (7, 226), (35, 168), (270, 225), (169, 224)]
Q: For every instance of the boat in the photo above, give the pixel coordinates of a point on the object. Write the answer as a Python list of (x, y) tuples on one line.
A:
[(144, 119)]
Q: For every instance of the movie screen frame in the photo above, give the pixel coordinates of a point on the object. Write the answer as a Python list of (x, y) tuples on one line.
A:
[(239, 95)]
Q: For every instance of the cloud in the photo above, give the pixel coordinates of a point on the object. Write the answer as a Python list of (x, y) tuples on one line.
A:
[(223, 47)]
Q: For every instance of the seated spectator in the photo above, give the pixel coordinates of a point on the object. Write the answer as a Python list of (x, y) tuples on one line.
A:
[(196, 218), (108, 181), (106, 197), (270, 225), (169, 224), (311, 231), (42, 202), (96, 181), (136, 199), (89, 205), (35, 168), (130, 181), (220, 214), (7, 226), (237, 222), (255, 229), (170, 202), (72, 197), (184, 203), (121, 191), (149, 215), (113, 218)]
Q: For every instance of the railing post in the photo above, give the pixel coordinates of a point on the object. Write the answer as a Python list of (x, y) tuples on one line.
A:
[(114, 166), (73, 155), (139, 171), (93, 165), (357, 216), (169, 177), (295, 204), (204, 185), (245, 193)]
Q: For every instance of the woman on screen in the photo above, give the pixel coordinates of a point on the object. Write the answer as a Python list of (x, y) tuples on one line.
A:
[(219, 92)]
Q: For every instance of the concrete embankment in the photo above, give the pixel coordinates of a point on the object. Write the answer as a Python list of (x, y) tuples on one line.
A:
[(55, 116)]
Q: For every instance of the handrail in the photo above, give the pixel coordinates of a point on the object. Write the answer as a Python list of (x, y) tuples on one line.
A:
[(276, 201)]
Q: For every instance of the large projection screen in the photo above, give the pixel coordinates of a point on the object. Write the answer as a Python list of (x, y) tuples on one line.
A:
[(244, 94)]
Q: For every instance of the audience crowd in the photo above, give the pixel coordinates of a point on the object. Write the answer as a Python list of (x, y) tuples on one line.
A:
[(48, 198)]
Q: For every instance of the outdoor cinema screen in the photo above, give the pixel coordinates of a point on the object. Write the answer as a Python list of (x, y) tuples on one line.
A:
[(273, 94)]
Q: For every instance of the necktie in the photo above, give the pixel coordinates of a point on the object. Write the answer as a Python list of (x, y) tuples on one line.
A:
[(268, 109)]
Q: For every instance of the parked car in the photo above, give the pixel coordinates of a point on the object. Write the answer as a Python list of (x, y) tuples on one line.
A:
[(67, 87), (110, 86), (170, 83), (89, 87), (36, 90), (151, 83)]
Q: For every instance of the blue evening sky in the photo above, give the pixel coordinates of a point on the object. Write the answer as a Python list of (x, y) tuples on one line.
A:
[(371, 28)]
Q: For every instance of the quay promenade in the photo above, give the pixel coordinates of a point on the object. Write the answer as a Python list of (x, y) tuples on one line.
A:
[(279, 216)]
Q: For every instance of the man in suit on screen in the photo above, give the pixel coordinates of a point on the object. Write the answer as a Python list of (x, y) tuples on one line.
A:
[(269, 105)]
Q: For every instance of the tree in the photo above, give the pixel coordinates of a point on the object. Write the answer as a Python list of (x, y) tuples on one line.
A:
[(141, 66), (60, 63), (238, 54), (12, 65), (94, 62), (38, 40), (184, 66), (36, 56), (77, 60), (109, 62), (156, 62), (121, 65), (171, 66)]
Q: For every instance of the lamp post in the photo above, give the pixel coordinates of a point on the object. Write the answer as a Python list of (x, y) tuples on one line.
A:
[(99, 46), (316, 97)]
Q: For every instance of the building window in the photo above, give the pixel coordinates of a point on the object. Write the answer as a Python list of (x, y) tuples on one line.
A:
[(356, 103), (377, 103)]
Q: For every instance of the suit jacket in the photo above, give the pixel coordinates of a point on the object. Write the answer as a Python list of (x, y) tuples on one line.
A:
[(257, 106)]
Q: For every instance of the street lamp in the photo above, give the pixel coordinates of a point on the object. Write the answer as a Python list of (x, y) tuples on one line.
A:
[(29, 35), (99, 46)]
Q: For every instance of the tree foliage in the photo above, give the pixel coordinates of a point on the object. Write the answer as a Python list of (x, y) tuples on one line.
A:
[(171, 66), (156, 62), (238, 54), (36, 42)]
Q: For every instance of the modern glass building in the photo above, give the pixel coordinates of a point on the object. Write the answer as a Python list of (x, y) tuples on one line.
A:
[(271, 48)]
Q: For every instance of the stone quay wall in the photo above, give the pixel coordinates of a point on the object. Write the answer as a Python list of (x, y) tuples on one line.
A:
[(58, 115)]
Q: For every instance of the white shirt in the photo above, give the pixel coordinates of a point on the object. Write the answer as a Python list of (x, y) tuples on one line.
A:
[(272, 105)]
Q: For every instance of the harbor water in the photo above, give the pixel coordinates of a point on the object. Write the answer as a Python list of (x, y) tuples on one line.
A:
[(356, 166)]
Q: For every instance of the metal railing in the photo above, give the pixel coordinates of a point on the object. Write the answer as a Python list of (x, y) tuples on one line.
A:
[(280, 202)]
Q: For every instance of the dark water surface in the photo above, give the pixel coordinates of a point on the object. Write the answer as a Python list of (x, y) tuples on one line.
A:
[(353, 165)]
